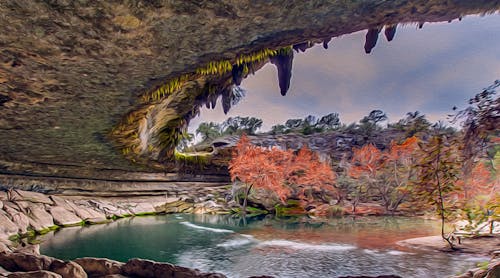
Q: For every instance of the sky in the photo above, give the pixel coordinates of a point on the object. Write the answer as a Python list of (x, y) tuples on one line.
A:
[(430, 70)]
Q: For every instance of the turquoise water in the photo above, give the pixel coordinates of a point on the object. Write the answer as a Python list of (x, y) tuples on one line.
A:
[(283, 248)]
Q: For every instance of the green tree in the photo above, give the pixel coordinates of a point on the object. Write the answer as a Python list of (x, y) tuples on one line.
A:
[(239, 125), (209, 131), (437, 177)]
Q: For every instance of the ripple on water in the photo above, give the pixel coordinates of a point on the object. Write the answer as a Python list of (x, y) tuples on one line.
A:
[(215, 230)]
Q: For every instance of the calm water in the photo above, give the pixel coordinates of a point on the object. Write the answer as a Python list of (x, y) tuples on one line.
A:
[(283, 248)]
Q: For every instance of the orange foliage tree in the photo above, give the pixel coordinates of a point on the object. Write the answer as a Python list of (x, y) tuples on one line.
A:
[(365, 164), (399, 173), (309, 175), (280, 171)]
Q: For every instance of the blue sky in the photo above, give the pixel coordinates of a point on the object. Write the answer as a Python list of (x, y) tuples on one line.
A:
[(429, 70)]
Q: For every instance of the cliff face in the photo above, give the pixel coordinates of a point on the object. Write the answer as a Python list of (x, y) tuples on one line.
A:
[(72, 71)]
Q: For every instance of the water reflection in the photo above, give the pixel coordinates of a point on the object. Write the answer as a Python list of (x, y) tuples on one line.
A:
[(280, 247)]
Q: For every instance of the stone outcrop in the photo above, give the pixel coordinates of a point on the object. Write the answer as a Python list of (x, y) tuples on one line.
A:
[(20, 217), (492, 270), (70, 71), (17, 264)]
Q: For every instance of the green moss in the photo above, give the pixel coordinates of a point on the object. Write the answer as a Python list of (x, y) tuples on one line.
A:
[(483, 265), (145, 213), (49, 229), (292, 208), (15, 237), (192, 158)]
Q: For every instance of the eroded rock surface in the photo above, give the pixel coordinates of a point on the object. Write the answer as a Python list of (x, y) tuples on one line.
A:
[(70, 70)]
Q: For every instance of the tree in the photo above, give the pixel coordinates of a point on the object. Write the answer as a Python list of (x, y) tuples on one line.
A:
[(278, 129), (209, 131), (369, 124), (240, 125), (329, 122), (364, 166), (398, 173), (259, 168), (480, 120), (437, 176), (301, 176), (413, 124), (309, 175)]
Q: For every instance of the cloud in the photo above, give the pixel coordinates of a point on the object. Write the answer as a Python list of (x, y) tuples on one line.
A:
[(429, 70)]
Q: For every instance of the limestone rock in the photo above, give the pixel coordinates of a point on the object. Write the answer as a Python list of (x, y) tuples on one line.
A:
[(4, 248), (141, 208), (151, 269), (24, 261), (29, 248), (90, 215), (34, 274), (3, 272), (67, 269), (61, 202), (30, 196), (100, 267), (64, 217), (7, 228), (18, 217), (40, 219), (493, 269), (108, 209), (481, 273)]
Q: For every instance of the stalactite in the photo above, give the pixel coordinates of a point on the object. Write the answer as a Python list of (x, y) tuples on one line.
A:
[(226, 99), (371, 39), (301, 47), (283, 62), (237, 73), (325, 42), (390, 31)]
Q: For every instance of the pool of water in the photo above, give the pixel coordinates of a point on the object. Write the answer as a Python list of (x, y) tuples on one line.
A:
[(279, 247)]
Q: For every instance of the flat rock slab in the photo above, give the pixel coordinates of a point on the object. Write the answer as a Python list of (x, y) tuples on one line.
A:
[(40, 219), (7, 227), (63, 217), (30, 196)]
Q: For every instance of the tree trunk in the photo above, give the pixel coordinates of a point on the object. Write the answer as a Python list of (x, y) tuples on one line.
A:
[(244, 210)]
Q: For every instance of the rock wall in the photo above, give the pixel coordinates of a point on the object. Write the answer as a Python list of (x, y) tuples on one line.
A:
[(71, 70), (27, 213)]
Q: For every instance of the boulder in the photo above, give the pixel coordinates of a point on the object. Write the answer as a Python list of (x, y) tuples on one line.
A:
[(17, 261), (141, 208), (108, 209), (63, 217), (34, 274), (29, 248), (151, 269), (61, 202), (7, 228), (67, 269), (1, 204), (3, 272), (17, 216), (30, 196), (481, 273), (100, 267), (4, 248), (40, 219), (89, 215), (493, 269)]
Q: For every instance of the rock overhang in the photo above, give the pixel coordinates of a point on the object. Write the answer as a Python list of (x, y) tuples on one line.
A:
[(72, 73)]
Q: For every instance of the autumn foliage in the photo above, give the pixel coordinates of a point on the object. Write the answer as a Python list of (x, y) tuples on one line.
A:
[(286, 174)]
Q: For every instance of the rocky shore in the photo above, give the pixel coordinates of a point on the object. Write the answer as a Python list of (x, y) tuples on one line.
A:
[(27, 214)]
